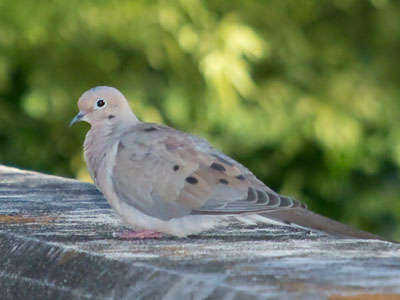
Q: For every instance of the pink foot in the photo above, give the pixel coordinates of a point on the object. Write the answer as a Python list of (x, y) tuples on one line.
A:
[(140, 234)]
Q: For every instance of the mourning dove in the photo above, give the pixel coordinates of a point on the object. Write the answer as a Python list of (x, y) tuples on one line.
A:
[(159, 179)]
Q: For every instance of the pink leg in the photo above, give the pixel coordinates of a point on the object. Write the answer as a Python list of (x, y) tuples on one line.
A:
[(140, 234)]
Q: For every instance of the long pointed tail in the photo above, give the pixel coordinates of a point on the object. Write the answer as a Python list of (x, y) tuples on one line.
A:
[(313, 221)]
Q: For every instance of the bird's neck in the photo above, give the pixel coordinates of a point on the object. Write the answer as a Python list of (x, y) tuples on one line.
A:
[(103, 136), (99, 143)]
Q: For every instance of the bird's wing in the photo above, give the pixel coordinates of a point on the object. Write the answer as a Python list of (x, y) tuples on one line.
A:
[(168, 174)]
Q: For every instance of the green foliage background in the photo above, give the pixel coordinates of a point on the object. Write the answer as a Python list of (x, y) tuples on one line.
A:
[(305, 93)]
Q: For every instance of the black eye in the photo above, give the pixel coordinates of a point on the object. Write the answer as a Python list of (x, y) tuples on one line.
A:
[(100, 103)]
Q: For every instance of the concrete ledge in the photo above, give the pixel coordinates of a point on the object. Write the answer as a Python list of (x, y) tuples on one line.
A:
[(57, 242)]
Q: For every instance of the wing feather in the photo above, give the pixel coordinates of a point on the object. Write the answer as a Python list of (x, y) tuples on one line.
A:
[(168, 174)]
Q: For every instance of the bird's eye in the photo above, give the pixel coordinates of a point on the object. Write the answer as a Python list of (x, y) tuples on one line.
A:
[(100, 103)]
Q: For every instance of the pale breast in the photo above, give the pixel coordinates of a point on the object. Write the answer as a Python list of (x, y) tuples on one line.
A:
[(100, 151)]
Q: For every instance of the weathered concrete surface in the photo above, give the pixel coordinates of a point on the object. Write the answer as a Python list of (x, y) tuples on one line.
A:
[(57, 242)]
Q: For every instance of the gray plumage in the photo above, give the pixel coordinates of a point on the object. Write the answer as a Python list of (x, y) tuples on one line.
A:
[(161, 179)]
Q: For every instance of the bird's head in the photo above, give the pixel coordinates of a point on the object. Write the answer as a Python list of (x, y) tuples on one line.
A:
[(103, 105)]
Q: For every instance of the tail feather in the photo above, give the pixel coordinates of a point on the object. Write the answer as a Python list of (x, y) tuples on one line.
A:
[(313, 221)]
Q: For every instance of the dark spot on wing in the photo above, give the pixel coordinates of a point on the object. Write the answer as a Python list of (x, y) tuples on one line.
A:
[(240, 177), (171, 146), (150, 129), (287, 222), (224, 181), (192, 180), (252, 195), (223, 160), (175, 168), (111, 117), (274, 199), (285, 201), (120, 147), (218, 167), (262, 197)]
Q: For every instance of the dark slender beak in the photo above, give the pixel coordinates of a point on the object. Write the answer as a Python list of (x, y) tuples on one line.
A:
[(77, 118)]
